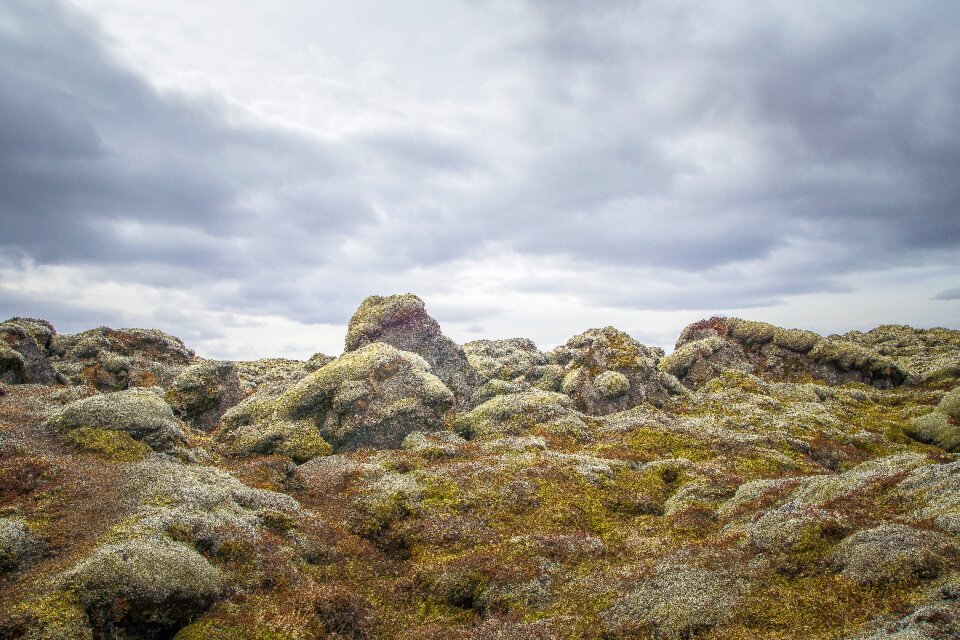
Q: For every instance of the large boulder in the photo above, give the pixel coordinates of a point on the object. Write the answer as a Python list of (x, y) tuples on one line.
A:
[(606, 371), (204, 392), (707, 348), (30, 339), (514, 359), (115, 359), (141, 413), (372, 397), (148, 587), (402, 321)]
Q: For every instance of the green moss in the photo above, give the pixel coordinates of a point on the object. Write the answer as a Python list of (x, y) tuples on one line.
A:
[(680, 361), (512, 414), (54, 616), (115, 446), (936, 428), (652, 444)]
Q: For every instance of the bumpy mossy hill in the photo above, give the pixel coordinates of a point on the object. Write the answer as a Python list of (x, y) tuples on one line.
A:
[(756, 484)]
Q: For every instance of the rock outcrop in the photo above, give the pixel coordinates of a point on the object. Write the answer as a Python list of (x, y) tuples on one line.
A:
[(402, 321), (707, 348), (24, 351), (204, 391), (605, 370)]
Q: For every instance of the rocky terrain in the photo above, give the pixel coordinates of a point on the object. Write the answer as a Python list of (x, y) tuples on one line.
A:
[(756, 483)]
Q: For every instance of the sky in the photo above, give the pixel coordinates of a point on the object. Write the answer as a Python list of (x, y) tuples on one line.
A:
[(242, 175)]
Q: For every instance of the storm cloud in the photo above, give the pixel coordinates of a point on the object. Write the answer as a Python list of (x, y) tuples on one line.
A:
[(626, 156)]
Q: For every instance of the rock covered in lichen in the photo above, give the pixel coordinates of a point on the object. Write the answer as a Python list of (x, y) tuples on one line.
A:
[(402, 321), (605, 371), (519, 413), (929, 354), (707, 348), (941, 426), (678, 601), (204, 392), (510, 359), (16, 543), (30, 339), (896, 553), (372, 397), (115, 359), (148, 584), (142, 413)]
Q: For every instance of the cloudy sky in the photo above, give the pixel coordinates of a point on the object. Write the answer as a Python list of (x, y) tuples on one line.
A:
[(244, 174)]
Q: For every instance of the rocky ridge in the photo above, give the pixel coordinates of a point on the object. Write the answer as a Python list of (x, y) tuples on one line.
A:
[(758, 482)]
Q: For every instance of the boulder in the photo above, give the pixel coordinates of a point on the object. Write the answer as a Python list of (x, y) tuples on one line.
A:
[(372, 397), (16, 543), (148, 587), (31, 340), (518, 413), (142, 413), (707, 348), (895, 553), (115, 359), (606, 371), (678, 601), (402, 321), (940, 427), (204, 391), (505, 359)]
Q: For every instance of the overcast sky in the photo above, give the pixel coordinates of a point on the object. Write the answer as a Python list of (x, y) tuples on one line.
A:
[(242, 175)]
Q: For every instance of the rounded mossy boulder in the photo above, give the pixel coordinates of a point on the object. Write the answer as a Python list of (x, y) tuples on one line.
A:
[(204, 392), (940, 427), (504, 359), (373, 397), (515, 414), (677, 602), (895, 553), (147, 586), (141, 413)]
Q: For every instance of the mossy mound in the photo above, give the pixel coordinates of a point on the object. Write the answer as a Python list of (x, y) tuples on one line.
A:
[(372, 397), (16, 543), (115, 446), (677, 601), (402, 321), (605, 371), (204, 392), (940, 427), (147, 587), (30, 339), (707, 348), (116, 359), (141, 413), (517, 414), (896, 553)]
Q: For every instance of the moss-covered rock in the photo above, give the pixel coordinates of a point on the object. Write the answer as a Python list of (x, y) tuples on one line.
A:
[(115, 446), (16, 543), (372, 397), (204, 392), (516, 414), (402, 321), (678, 601), (932, 493), (116, 359), (940, 427), (148, 587), (141, 413), (504, 359), (895, 553), (707, 348), (598, 362), (31, 339)]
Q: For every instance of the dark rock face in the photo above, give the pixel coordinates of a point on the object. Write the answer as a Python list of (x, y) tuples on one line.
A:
[(402, 321), (115, 359), (707, 348), (605, 371), (30, 339), (204, 391)]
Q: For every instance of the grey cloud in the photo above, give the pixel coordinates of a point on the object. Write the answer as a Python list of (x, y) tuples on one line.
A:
[(948, 294)]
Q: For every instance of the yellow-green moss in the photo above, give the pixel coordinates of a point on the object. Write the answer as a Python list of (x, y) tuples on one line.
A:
[(651, 444), (115, 446)]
